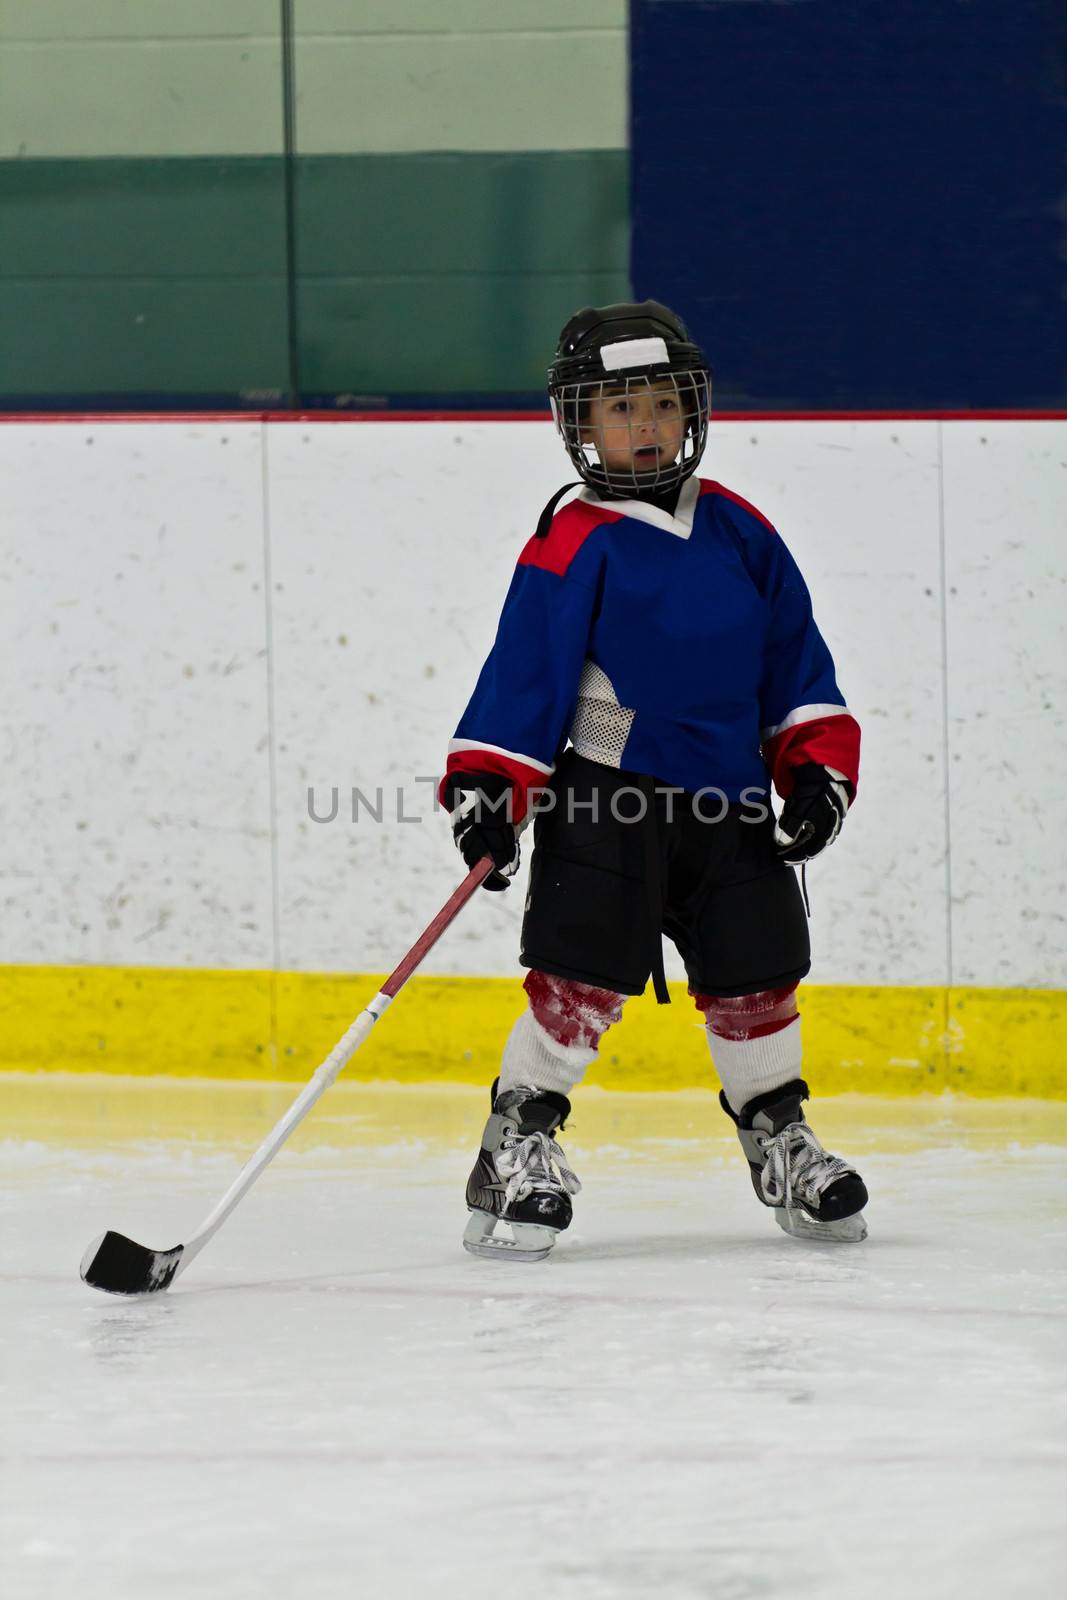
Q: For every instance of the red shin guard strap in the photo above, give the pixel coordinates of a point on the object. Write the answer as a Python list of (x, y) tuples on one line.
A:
[(571, 1013), (748, 1016)]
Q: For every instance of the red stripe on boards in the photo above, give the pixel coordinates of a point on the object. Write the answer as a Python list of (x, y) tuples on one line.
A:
[(273, 416), (39, 417)]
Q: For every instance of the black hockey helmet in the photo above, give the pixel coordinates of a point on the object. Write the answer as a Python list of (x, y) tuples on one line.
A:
[(623, 350)]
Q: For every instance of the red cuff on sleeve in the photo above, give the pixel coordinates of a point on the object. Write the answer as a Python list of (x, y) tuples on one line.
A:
[(830, 741), (524, 778)]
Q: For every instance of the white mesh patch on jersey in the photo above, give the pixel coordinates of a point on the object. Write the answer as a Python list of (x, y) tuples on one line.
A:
[(601, 725)]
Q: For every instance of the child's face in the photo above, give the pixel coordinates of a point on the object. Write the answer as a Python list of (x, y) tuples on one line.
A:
[(641, 431)]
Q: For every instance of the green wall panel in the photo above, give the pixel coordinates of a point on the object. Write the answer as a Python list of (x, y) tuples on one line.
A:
[(476, 334), (387, 93), (159, 277), (506, 212), (445, 273), (135, 98), (164, 337), (155, 217), (90, 78), (341, 18), (433, 273)]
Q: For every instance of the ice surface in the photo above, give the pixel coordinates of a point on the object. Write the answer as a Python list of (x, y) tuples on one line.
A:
[(682, 1402)]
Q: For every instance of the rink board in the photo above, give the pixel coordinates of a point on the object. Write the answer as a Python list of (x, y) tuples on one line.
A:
[(279, 1026), (228, 621), (225, 623)]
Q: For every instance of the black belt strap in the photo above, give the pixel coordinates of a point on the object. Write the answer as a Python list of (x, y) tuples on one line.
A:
[(654, 885)]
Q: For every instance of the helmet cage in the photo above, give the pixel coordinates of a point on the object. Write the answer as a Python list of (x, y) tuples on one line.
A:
[(691, 385)]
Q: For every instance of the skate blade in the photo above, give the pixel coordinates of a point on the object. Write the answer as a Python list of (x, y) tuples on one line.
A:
[(507, 1241), (797, 1223)]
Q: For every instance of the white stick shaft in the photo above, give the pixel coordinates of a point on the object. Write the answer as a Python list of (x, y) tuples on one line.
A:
[(335, 1062)]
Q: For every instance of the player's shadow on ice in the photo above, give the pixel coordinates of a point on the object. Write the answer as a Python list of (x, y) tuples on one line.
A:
[(701, 1248), (717, 1250), (696, 1246)]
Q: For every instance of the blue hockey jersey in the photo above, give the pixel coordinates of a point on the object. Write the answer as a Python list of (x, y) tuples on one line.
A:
[(680, 646)]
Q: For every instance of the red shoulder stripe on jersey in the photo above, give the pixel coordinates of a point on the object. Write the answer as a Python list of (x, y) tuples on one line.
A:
[(709, 486), (570, 528)]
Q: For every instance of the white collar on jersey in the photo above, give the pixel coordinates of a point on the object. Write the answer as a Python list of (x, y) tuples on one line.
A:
[(681, 524)]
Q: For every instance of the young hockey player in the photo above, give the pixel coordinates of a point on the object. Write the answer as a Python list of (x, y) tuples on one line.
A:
[(659, 624)]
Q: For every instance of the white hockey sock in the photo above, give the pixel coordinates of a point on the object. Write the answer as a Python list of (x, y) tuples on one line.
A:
[(748, 1067), (532, 1056)]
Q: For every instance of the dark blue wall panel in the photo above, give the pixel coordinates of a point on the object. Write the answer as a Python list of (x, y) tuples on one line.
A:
[(857, 205)]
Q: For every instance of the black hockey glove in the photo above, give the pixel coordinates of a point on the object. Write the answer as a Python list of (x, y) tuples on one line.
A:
[(481, 825), (812, 816)]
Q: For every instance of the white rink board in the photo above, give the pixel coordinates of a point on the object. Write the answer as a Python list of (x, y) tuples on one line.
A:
[(857, 504), (398, 539), (459, 535), (135, 814), (1006, 570)]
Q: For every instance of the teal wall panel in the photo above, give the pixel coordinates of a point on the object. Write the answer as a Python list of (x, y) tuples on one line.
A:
[(154, 217), (443, 274), (511, 211), (425, 334), (143, 277), (160, 341), (415, 274)]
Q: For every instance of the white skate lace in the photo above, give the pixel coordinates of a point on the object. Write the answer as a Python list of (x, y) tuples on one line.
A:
[(795, 1162), (527, 1165)]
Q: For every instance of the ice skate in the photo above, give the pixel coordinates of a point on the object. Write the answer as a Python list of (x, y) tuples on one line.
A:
[(814, 1195), (519, 1192)]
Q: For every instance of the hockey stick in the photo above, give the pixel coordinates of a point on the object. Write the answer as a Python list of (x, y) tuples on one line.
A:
[(120, 1266)]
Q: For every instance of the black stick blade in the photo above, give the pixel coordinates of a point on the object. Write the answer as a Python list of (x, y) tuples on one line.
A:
[(119, 1266)]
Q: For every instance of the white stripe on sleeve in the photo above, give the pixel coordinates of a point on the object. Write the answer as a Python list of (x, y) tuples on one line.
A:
[(457, 747), (803, 714)]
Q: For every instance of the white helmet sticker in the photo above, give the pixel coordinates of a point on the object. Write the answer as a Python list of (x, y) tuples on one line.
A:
[(634, 353)]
